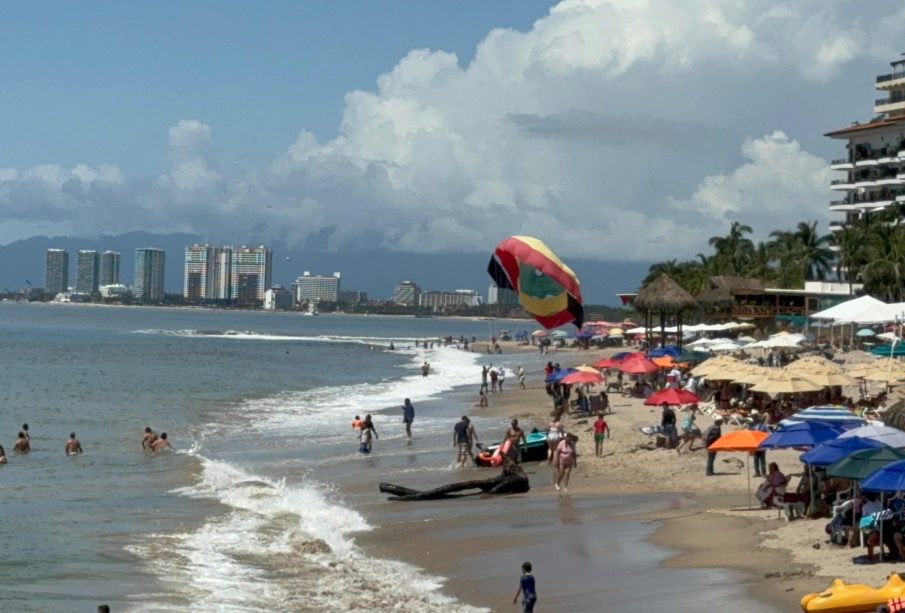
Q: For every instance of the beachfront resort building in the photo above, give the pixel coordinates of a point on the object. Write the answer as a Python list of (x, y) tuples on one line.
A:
[(250, 274), (149, 269), (440, 301), (110, 261), (87, 271), (319, 288), (56, 275), (874, 164), (407, 293), (502, 297), (278, 298)]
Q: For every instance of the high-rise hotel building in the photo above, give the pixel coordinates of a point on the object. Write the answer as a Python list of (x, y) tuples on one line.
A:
[(110, 268), (87, 271), (149, 268), (56, 276), (324, 288), (251, 270), (874, 164)]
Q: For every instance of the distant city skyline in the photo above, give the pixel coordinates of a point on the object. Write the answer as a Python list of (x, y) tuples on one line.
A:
[(433, 127)]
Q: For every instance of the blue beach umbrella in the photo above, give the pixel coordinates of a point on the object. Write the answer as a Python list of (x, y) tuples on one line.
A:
[(557, 375), (669, 350), (834, 415), (803, 434), (829, 452), (890, 478)]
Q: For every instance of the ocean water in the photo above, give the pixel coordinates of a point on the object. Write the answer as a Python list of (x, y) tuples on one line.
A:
[(261, 504)]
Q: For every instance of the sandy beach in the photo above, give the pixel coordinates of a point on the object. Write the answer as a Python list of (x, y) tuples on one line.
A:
[(703, 520)]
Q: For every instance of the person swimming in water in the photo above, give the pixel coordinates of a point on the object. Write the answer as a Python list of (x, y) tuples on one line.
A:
[(2, 455), (22, 445), (161, 443), (73, 446), (147, 442)]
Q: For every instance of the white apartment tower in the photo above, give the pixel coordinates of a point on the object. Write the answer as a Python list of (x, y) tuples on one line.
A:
[(250, 274), (320, 288), (874, 165)]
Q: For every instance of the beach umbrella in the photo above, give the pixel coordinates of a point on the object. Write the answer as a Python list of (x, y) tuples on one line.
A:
[(586, 368), (582, 376), (889, 478), (865, 332), (616, 331), (557, 375), (785, 382), (713, 365), (748, 375), (667, 351), (838, 416), (539, 333), (725, 346), (801, 434), (836, 449), (607, 363), (859, 464), (891, 437), (671, 395), (691, 356), (741, 440), (638, 366)]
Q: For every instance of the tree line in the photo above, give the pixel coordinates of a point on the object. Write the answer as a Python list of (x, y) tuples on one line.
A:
[(870, 250)]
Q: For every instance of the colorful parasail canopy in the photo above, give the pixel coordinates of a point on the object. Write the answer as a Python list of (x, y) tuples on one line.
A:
[(546, 288)]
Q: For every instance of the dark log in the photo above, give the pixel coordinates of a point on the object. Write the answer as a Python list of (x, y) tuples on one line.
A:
[(512, 480)]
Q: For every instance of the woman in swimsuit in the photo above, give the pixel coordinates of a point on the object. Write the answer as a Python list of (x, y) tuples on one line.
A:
[(555, 433), (565, 459)]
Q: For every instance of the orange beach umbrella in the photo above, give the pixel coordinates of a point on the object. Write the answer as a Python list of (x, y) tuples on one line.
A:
[(741, 440)]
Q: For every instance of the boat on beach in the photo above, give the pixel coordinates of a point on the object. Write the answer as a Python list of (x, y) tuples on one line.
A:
[(535, 450)]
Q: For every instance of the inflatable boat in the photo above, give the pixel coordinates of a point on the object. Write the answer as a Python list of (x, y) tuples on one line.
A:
[(534, 451), (842, 597)]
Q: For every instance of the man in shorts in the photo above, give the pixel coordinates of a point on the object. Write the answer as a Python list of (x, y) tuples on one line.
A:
[(464, 438), (73, 446), (515, 435), (601, 432)]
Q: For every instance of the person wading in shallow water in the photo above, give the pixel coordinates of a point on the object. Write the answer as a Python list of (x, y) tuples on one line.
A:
[(73, 446), (408, 416), (527, 589)]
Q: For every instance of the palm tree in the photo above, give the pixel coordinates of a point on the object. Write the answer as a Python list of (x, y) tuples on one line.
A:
[(734, 249), (785, 250), (761, 264), (814, 253), (885, 269), (851, 252)]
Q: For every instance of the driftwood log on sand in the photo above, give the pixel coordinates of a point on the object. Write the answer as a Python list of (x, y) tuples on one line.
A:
[(512, 480)]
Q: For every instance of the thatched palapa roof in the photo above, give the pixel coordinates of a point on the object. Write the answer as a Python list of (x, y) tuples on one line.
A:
[(716, 297), (663, 295), (737, 285)]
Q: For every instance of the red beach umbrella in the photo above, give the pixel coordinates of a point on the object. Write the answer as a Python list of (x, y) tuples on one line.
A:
[(671, 395), (582, 376), (638, 366), (607, 363)]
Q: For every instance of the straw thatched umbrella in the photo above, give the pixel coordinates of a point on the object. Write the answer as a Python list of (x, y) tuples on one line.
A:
[(663, 296), (820, 370), (714, 365), (785, 382)]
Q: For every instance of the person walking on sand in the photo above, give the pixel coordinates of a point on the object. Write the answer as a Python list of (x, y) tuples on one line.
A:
[(147, 441), (408, 416), (501, 374), (22, 445), (73, 446), (494, 379), (526, 589), (601, 431), (521, 378), (484, 379), (713, 433), (564, 460), (555, 433)]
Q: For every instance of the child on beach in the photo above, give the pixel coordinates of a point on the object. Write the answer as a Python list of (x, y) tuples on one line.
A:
[(601, 431), (526, 589)]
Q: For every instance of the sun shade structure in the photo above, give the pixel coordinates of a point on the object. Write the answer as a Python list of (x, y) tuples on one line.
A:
[(545, 286), (836, 449), (581, 376), (636, 365), (859, 464), (663, 297), (891, 437), (558, 375), (785, 382), (889, 478), (714, 365), (803, 434), (741, 440), (671, 395), (828, 414)]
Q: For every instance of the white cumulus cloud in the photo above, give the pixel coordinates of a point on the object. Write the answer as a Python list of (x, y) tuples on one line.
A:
[(619, 128)]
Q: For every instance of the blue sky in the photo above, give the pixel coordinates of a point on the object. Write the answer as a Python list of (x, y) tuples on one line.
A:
[(611, 129), (100, 82)]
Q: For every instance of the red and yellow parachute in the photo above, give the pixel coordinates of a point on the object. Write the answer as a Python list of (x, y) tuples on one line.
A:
[(546, 288)]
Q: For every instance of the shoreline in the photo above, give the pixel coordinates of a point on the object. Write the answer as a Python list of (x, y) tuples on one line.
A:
[(696, 528)]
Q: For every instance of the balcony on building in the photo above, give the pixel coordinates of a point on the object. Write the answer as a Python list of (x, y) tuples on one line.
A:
[(894, 103), (842, 184), (841, 164)]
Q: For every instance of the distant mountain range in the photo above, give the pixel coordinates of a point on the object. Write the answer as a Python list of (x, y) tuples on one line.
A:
[(373, 271)]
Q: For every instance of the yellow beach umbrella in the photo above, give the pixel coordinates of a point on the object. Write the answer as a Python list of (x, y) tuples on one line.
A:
[(785, 382)]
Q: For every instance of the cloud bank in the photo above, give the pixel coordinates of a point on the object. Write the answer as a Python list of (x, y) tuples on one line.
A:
[(610, 128)]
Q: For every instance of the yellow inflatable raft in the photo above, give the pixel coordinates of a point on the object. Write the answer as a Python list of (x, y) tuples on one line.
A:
[(842, 597)]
